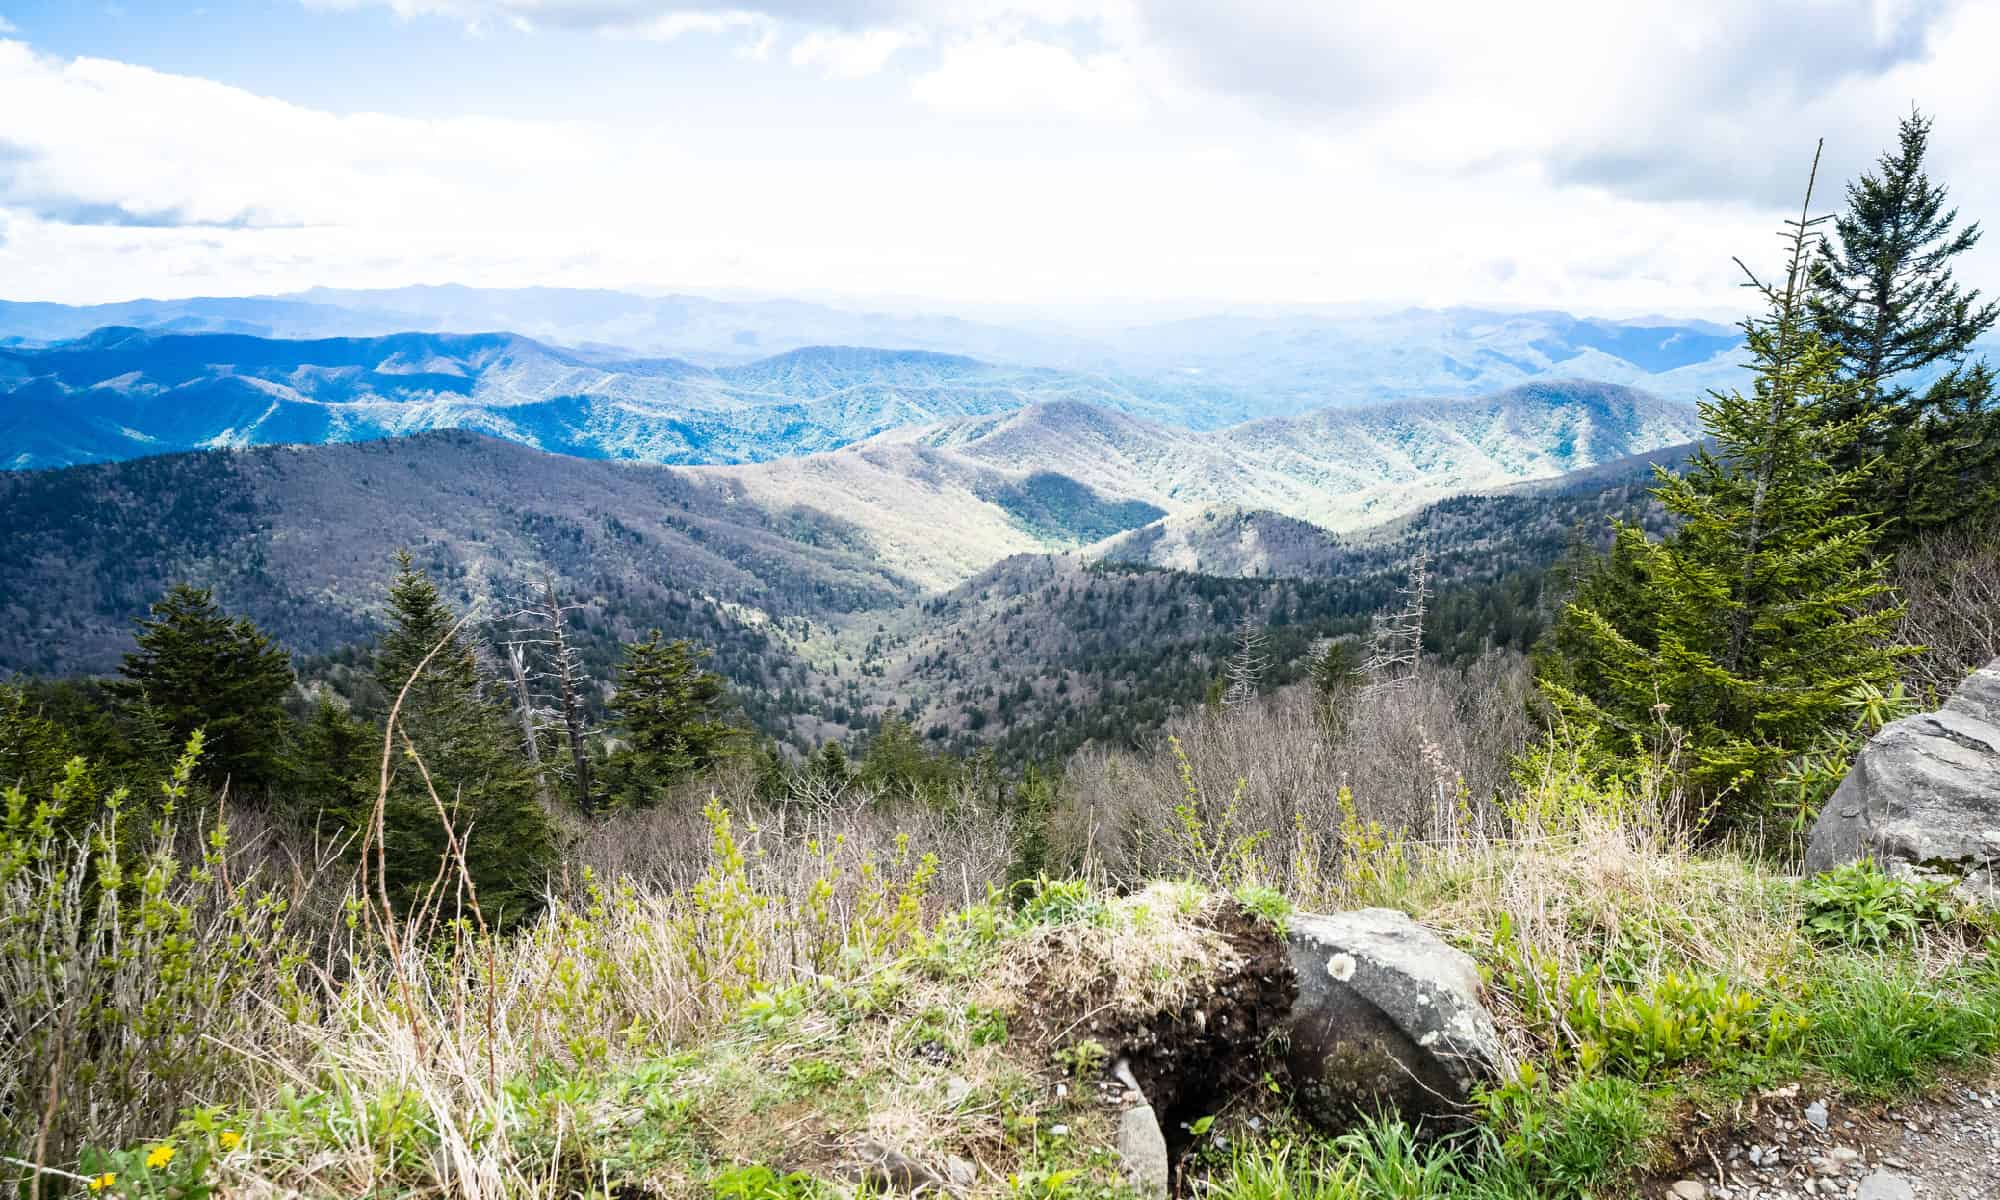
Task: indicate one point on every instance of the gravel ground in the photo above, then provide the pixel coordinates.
(1788, 1145)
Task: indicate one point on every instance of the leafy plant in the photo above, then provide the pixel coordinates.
(1858, 904)
(1575, 1139)
(1085, 1059)
(1679, 1018)
(759, 1182)
(1267, 904)
(1061, 903)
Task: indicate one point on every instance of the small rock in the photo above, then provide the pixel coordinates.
(961, 1172)
(956, 1092)
(1883, 1185)
(1816, 1115)
(885, 1168)
(1688, 1189)
(1143, 1150)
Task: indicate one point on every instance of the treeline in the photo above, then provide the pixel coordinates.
(490, 745)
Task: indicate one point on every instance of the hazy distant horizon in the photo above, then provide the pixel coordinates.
(1073, 315)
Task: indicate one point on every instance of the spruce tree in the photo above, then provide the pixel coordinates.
(465, 742)
(1755, 625)
(340, 760)
(1034, 804)
(1614, 585)
(670, 713)
(1884, 298)
(196, 667)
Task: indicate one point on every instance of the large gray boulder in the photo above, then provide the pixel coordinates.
(1388, 1018)
(1923, 797)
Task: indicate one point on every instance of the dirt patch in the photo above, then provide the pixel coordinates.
(1191, 1058)
(1796, 1142)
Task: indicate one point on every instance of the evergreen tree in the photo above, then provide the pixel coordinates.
(896, 761)
(465, 742)
(1750, 628)
(670, 713)
(1034, 814)
(1885, 299)
(340, 760)
(1336, 670)
(830, 766)
(198, 668)
(1615, 586)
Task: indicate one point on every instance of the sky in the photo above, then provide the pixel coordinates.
(1054, 156)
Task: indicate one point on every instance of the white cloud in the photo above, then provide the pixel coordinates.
(668, 26)
(643, 17)
(852, 55)
(1000, 75)
(1598, 157)
(7, 26)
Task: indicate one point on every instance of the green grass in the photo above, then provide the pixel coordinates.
(1883, 1028)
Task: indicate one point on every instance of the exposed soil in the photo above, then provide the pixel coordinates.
(1190, 1061)
(1947, 1147)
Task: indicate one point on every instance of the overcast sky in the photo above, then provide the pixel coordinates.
(1599, 157)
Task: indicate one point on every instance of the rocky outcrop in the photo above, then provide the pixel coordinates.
(1923, 796)
(1388, 1017)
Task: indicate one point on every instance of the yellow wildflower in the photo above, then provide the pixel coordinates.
(103, 1182)
(230, 1139)
(159, 1156)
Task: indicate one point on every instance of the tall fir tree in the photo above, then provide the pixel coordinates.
(1884, 298)
(466, 743)
(670, 711)
(1746, 635)
(196, 667)
(340, 759)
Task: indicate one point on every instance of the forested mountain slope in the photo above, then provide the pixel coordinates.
(87, 549)
(809, 612)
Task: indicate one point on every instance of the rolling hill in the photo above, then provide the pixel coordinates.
(1340, 469)
(122, 393)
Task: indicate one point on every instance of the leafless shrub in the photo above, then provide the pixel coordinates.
(666, 847)
(1950, 584)
(1429, 756)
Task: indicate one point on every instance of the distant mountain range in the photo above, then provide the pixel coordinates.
(123, 392)
(1265, 365)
